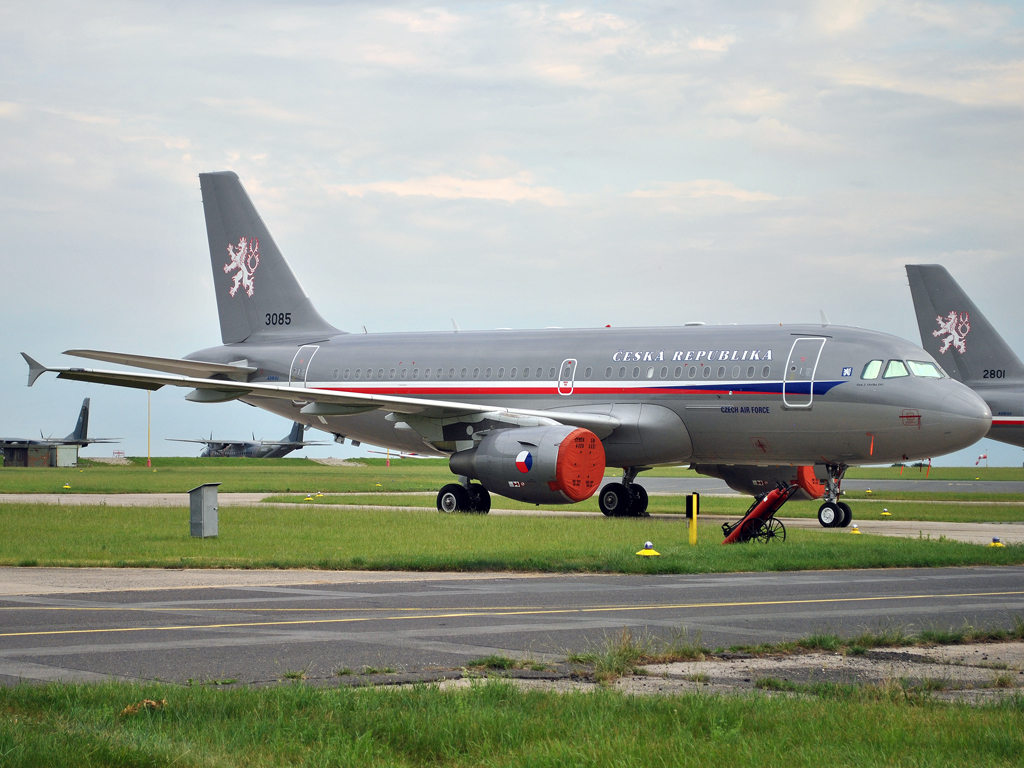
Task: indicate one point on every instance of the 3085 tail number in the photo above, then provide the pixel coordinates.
(279, 318)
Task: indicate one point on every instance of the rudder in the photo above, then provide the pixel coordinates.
(956, 333)
(81, 431)
(257, 293)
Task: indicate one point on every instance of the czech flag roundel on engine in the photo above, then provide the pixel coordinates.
(524, 461)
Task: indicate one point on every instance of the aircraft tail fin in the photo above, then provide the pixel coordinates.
(295, 436)
(81, 431)
(956, 333)
(258, 296)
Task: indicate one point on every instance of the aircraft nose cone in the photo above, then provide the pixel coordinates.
(966, 416)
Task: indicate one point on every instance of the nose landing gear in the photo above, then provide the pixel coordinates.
(834, 513)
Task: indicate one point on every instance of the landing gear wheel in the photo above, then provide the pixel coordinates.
(615, 500)
(773, 530)
(828, 514)
(480, 499)
(638, 506)
(847, 513)
(453, 498)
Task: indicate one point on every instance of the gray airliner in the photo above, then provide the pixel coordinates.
(969, 348)
(538, 415)
(252, 449)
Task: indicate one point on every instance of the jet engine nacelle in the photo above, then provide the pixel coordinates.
(539, 465)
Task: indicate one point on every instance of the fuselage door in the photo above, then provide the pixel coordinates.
(567, 377)
(798, 382)
(300, 365)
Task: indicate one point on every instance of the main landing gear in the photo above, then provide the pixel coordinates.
(625, 499)
(471, 498)
(834, 513)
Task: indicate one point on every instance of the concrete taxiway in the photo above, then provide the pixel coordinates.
(257, 626)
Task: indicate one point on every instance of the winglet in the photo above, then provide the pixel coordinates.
(35, 369)
(824, 319)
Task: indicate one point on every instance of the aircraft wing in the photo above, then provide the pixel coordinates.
(238, 371)
(325, 402)
(206, 442)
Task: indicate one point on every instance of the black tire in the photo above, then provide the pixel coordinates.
(847, 514)
(828, 514)
(615, 500)
(453, 498)
(480, 499)
(638, 505)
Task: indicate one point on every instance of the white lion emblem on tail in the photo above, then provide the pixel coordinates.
(955, 327)
(245, 259)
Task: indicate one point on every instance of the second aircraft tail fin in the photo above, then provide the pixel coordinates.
(295, 436)
(956, 333)
(257, 293)
(81, 431)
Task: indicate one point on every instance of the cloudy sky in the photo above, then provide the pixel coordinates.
(515, 165)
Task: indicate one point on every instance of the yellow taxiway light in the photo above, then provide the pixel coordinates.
(648, 550)
(995, 542)
(855, 529)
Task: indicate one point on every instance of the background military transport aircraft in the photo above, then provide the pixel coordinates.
(79, 435)
(962, 339)
(252, 449)
(537, 415)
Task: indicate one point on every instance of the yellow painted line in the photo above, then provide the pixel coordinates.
(508, 612)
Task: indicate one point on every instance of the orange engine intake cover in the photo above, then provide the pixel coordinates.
(580, 467)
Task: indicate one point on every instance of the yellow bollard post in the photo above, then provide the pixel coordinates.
(692, 509)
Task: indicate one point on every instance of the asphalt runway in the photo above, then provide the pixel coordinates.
(254, 627)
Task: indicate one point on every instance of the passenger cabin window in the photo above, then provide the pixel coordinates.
(588, 372)
(476, 373)
(512, 373)
(721, 371)
(650, 373)
(750, 372)
(707, 372)
(405, 372)
(871, 370)
(735, 371)
(358, 373)
(487, 373)
(765, 372)
(693, 371)
(391, 374)
(679, 372)
(622, 373)
(636, 372)
(416, 373)
(607, 373)
(380, 373)
(501, 373)
(426, 373)
(551, 373)
(664, 372)
(463, 373)
(895, 369)
(924, 370)
(526, 373)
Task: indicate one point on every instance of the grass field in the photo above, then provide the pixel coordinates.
(495, 724)
(336, 538)
(177, 475)
(961, 512)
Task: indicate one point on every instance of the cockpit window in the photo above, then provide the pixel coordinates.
(924, 370)
(871, 370)
(895, 369)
